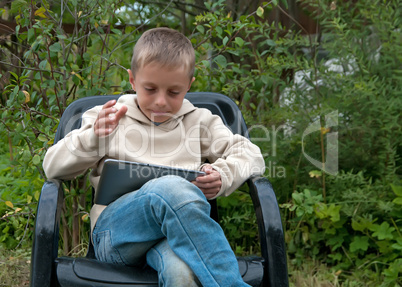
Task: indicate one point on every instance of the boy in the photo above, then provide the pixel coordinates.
(166, 222)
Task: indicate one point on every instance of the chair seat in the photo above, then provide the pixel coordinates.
(91, 272)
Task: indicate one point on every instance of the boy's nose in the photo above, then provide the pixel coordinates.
(161, 100)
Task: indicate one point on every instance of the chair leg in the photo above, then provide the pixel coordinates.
(271, 232)
(46, 235)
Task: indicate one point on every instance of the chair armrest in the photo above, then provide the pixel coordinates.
(46, 235)
(270, 231)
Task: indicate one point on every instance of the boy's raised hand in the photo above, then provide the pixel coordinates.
(108, 119)
(211, 183)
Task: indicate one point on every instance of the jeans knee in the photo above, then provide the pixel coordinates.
(179, 274)
(172, 270)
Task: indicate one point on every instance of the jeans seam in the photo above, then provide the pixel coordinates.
(163, 266)
(111, 243)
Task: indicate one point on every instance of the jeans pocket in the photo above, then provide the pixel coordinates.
(104, 250)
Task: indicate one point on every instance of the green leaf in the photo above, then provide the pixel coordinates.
(17, 5)
(359, 243)
(201, 29)
(239, 41)
(225, 40)
(285, 2)
(43, 65)
(31, 34)
(14, 75)
(383, 231)
(398, 200)
(37, 195)
(270, 43)
(117, 32)
(362, 224)
(358, 226)
(260, 12)
(398, 245)
(76, 80)
(42, 138)
(219, 30)
(205, 63)
(335, 241)
(221, 61)
(56, 47)
(298, 198)
(333, 212)
(397, 190)
(36, 160)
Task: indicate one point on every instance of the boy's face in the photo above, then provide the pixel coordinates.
(160, 90)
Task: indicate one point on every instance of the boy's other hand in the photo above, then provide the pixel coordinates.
(211, 183)
(108, 119)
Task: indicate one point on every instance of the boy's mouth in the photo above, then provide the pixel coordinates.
(159, 113)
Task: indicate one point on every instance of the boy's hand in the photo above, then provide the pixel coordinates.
(108, 119)
(211, 183)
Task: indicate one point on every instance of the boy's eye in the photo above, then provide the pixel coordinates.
(174, 92)
(149, 89)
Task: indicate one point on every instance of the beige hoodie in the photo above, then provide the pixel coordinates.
(187, 140)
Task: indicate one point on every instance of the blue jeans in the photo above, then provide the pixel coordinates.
(166, 221)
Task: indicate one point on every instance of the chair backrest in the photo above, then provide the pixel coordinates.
(218, 104)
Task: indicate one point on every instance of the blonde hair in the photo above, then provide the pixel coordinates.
(165, 46)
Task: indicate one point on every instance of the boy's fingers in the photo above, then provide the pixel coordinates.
(105, 113)
(209, 177)
(207, 168)
(106, 107)
(209, 192)
(109, 118)
(120, 113)
(209, 185)
(109, 104)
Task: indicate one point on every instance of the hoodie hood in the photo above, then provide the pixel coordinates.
(134, 112)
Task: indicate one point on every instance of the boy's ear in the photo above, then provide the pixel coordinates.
(131, 78)
(192, 80)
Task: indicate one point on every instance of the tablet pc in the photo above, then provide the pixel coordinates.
(119, 177)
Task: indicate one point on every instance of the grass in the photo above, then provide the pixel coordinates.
(14, 267)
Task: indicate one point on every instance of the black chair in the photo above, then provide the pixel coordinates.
(47, 269)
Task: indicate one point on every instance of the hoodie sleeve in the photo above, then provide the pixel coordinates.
(78, 151)
(235, 157)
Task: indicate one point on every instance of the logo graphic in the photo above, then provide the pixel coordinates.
(330, 165)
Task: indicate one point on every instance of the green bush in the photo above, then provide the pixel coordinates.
(357, 229)
(57, 66)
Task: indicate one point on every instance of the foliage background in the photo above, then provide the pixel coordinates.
(284, 72)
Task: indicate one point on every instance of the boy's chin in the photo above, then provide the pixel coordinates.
(160, 119)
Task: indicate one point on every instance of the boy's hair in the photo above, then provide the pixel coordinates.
(165, 46)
